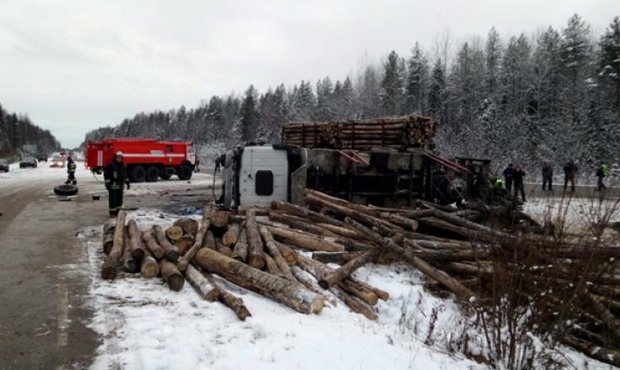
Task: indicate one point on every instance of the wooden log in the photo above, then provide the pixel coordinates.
(149, 267)
(305, 213)
(231, 236)
(305, 241)
(306, 280)
(451, 283)
(358, 291)
(171, 275)
(191, 252)
(287, 252)
(108, 235)
(339, 258)
(605, 355)
(220, 247)
(315, 268)
(156, 250)
(135, 241)
(341, 231)
(255, 257)
(273, 250)
(185, 242)
(171, 253)
(240, 252)
(189, 225)
(382, 294)
(397, 219)
(347, 269)
(299, 223)
(272, 267)
(128, 263)
(174, 233)
(219, 222)
(273, 287)
(200, 283)
(111, 262)
(596, 307)
(207, 287)
(209, 240)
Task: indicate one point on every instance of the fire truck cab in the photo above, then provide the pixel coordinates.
(146, 159)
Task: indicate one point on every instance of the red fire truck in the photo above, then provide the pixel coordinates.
(146, 159)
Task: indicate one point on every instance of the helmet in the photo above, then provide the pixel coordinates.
(119, 154)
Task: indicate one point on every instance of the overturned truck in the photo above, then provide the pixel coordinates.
(384, 162)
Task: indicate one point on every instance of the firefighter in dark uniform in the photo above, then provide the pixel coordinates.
(71, 171)
(115, 179)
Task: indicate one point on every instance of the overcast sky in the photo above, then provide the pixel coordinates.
(76, 65)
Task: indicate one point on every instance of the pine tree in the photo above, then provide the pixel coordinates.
(324, 91)
(609, 74)
(417, 82)
(493, 50)
(392, 93)
(437, 92)
(249, 115)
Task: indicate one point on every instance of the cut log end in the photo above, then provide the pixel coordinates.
(257, 261)
(108, 272)
(176, 282)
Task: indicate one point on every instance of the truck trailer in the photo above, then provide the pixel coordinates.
(146, 159)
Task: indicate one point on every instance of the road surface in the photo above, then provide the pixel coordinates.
(44, 289)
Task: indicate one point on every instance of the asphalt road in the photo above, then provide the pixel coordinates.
(44, 269)
(43, 314)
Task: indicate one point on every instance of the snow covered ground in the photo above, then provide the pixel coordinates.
(144, 325)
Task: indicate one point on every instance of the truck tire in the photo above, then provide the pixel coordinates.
(65, 190)
(184, 172)
(152, 174)
(137, 174)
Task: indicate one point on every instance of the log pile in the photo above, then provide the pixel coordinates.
(303, 257)
(412, 131)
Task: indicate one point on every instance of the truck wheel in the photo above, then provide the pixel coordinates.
(137, 174)
(152, 173)
(65, 190)
(184, 173)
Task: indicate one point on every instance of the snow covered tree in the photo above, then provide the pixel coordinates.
(368, 94)
(437, 92)
(417, 82)
(392, 92)
(609, 74)
(249, 119)
(493, 51)
(324, 92)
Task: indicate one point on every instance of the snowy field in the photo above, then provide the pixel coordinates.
(144, 325)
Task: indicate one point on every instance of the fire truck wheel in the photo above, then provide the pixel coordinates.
(152, 173)
(184, 173)
(65, 190)
(137, 174)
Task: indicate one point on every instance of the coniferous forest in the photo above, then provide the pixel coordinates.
(17, 131)
(552, 96)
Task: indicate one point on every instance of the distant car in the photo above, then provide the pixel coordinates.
(57, 161)
(42, 157)
(4, 165)
(28, 162)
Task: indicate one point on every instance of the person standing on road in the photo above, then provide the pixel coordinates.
(570, 171)
(601, 172)
(115, 176)
(71, 171)
(547, 175)
(508, 177)
(518, 176)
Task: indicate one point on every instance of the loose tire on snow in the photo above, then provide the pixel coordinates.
(65, 190)
(152, 174)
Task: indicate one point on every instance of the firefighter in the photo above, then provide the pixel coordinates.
(601, 172)
(547, 176)
(570, 172)
(71, 171)
(509, 173)
(115, 179)
(518, 175)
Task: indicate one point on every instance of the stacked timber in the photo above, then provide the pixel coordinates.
(400, 133)
(305, 257)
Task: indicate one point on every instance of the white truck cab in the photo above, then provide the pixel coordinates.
(263, 176)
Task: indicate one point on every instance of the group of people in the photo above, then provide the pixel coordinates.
(513, 178)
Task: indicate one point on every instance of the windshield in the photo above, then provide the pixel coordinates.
(4, 161)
